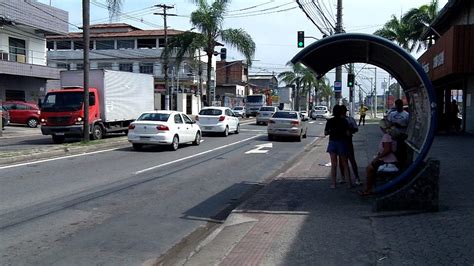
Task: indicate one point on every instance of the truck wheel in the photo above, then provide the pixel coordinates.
(58, 139)
(197, 139)
(97, 132)
(137, 146)
(175, 144)
(32, 122)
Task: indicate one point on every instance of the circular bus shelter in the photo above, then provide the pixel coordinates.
(339, 49)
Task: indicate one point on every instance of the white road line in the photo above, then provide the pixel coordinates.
(56, 159)
(311, 122)
(195, 155)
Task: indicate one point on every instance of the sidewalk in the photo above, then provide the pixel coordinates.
(297, 220)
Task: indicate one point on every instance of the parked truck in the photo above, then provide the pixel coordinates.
(115, 100)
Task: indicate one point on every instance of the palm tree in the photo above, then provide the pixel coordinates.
(303, 79)
(407, 30)
(326, 92)
(208, 20)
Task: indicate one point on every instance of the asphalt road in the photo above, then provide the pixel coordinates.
(122, 207)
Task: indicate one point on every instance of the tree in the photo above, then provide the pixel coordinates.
(208, 20)
(407, 30)
(326, 92)
(303, 78)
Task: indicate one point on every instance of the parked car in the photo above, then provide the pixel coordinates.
(5, 117)
(219, 120)
(287, 124)
(163, 128)
(264, 114)
(23, 113)
(304, 114)
(239, 111)
(320, 112)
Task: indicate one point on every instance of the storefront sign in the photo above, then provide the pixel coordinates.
(438, 60)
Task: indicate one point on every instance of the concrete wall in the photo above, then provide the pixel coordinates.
(33, 87)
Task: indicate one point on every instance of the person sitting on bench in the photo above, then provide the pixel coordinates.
(385, 155)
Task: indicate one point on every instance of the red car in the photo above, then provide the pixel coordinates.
(23, 113)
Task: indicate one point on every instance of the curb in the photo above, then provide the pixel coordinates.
(63, 150)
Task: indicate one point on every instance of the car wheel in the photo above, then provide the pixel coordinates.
(226, 131)
(32, 122)
(237, 130)
(137, 146)
(247, 116)
(299, 138)
(175, 144)
(197, 139)
(58, 139)
(270, 137)
(305, 134)
(97, 132)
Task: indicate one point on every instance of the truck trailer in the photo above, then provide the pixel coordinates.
(116, 99)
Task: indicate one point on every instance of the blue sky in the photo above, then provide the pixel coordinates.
(271, 23)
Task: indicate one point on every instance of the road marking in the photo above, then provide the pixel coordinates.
(311, 122)
(195, 155)
(56, 159)
(259, 148)
(254, 130)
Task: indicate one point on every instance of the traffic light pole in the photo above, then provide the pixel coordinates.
(351, 91)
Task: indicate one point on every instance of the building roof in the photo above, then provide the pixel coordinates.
(442, 22)
(131, 32)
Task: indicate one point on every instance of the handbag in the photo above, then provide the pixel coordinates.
(388, 168)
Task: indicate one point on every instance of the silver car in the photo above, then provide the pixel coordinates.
(264, 114)
(287, 124)
(239, 111)
(320, 112)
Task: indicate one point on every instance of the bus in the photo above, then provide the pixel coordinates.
(253, 104)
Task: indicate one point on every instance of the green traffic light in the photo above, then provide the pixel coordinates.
(300, 44)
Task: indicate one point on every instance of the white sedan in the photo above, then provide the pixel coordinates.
(218, 119)
(287, 124)
(163, 128)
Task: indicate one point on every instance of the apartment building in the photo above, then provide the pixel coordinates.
(123, 47)
(23, 63)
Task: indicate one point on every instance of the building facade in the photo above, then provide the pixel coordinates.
(449, 62)
(231, 83)
(122, 47)
(23, 58)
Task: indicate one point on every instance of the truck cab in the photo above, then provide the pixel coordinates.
(62, 113)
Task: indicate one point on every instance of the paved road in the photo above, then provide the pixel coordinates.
(125, 207)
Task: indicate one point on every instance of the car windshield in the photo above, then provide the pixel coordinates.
(255, 99)
(267, 109)
(238, 108)
(63, 101)
(154, 117)
(210, 112)
(291, 115)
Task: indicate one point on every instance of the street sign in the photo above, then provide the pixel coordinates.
(337, 86)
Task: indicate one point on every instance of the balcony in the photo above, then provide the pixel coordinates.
(21, 62)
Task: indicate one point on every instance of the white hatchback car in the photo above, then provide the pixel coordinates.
(320, 112)
(218, 120)
(287, 124)
(163, 128)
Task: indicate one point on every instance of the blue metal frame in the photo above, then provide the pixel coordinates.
(410, 172)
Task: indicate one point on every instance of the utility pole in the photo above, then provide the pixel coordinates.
(165, 65)
(375, 92)
(338, 95)
(351, 92)
(86, 37)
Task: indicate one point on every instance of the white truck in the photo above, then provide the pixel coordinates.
(116, 99)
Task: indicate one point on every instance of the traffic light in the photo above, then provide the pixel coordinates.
(350, 80)
(223, 53)
(300, 39)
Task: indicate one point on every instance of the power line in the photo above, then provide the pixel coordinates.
(98, 4)
(252, 7)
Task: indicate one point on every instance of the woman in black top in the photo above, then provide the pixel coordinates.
(339, 132)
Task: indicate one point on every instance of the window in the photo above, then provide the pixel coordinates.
(271, 109)
(125, 44)
(79, 45)
(14, 95)
(104, 45)
(63, 45)
(146, 68)
(154, 117)
(187, 120)
(126, 67)
(62, 66)
(292, 115)
(146, 43)
(178, 119)
(80, 66)
(50, 45)
(17, 50)
(210, 112)
(161, 42)
(228, 113)
(104, 66)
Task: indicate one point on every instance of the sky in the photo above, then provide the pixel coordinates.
(273, 24)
